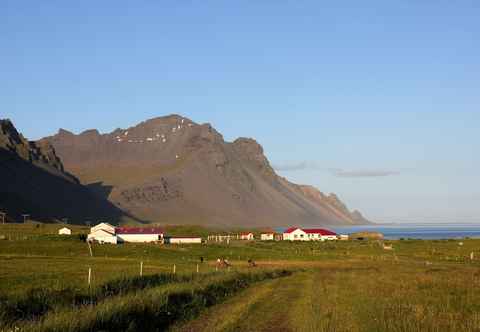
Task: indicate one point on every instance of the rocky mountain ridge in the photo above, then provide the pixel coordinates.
(34, 182)
(173, 170)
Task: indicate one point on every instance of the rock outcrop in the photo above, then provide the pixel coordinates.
(34, 182)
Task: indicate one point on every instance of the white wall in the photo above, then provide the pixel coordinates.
(139, 237)
(184, 240)
(102, 237)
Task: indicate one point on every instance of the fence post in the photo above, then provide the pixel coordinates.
(197, 269)
(89, 276)
(141, 268)
(174, 269)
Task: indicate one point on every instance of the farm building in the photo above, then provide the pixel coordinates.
(318, 234)
(102, 236)
(269, 236)
(183, 240)
(247, 236)
(65, 231)
(103, 226)
(139, 234)
(309, 234)
(343, 237)
(295, 234)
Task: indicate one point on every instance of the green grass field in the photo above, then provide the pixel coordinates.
(331, 286)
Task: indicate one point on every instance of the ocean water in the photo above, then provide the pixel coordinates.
(417, 231)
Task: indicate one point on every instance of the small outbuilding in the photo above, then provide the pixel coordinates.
(65, 231)
(247, 236)
(269, 236)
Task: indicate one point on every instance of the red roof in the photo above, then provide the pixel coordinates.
(139, 230)
(320, 231)
(291, 229)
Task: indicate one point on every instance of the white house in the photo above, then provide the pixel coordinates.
(65, 231)
(319, 234)
(103, 226)
(139, 234)
(267, 236)
(295, 234)
(308, 234)
(102, 236)
(183, 240)
(247, 236)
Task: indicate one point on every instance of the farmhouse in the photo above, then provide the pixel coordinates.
(139, 234)
(65, 231)
(295, 234)
(183, 240)
(308, 234)
(247, 236)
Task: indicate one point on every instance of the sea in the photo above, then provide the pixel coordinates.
(417, 231)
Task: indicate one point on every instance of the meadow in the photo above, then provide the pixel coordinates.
(322, 286)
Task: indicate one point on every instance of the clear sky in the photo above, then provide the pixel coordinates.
(377, 101)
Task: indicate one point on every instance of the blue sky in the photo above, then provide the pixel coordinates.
(377, 101)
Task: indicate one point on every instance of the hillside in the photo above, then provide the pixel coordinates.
(172, 170)
(33, 181)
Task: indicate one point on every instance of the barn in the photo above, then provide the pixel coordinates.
(139, 234)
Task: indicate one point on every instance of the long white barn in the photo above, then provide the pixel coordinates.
(106, 233)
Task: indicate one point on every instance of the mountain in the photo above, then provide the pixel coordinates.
(33, 181)
(173, 170)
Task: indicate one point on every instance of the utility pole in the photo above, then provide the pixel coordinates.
(25, 216)
(65, 220)
(3, 214)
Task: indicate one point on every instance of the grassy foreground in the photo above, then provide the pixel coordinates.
(354, 286)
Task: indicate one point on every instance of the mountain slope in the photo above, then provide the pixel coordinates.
(173, 170)
(33, 181)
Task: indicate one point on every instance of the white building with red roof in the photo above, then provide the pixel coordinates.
(320, 234)
(308, 234)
